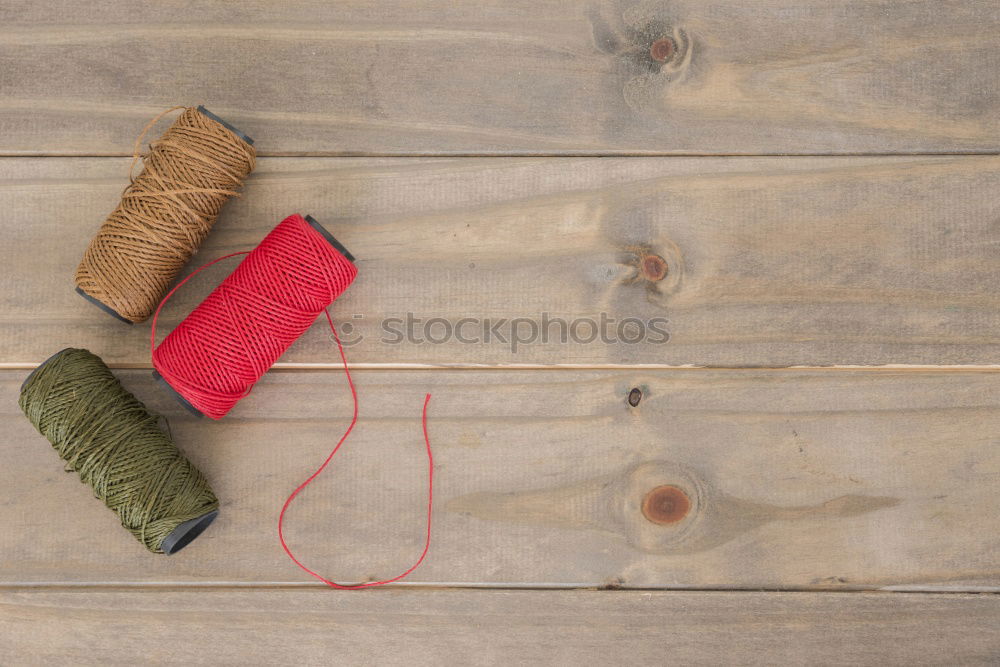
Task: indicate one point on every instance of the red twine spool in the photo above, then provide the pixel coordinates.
(216, 355)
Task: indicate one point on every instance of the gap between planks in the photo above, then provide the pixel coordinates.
(521, 155)
(485, 585)
(332, 366)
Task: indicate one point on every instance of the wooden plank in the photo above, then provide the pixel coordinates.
(770, 261)
(493, 627)
(523, 76)
(796, 479)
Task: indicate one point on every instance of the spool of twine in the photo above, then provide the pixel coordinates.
(165, 213)
(113, 442)
(215, 355)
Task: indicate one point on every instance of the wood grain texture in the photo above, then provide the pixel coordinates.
(830, 482)
(813, 480)
(770, 261)
(468, 627)
(524, 76)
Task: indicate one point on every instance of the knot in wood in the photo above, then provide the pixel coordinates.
(665, 505)
(662, 49)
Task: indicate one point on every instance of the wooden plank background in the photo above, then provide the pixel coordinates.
(820, 179)
(770, 261)
(496, 627)
(509, 76)
(798, 479)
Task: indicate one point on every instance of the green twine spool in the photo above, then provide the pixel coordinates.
(107, 435)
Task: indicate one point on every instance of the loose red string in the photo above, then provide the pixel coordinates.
(197, 345)
(156, 315)
(303, 485)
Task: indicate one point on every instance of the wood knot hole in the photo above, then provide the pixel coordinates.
(665, 505)
(634, 397)
(662, 49)
(654, 268)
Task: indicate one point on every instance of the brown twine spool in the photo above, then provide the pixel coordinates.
(165, 213)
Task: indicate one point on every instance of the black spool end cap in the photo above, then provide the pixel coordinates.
(180, 399)
(329, 237)
(184, 534)
(239, 133)
(103, 306)
(39, 366)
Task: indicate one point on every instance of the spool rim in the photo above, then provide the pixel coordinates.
(39, 366)
(177, 395)
(232, 128)
(105, 307)
(187, 532)
(329, 238)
